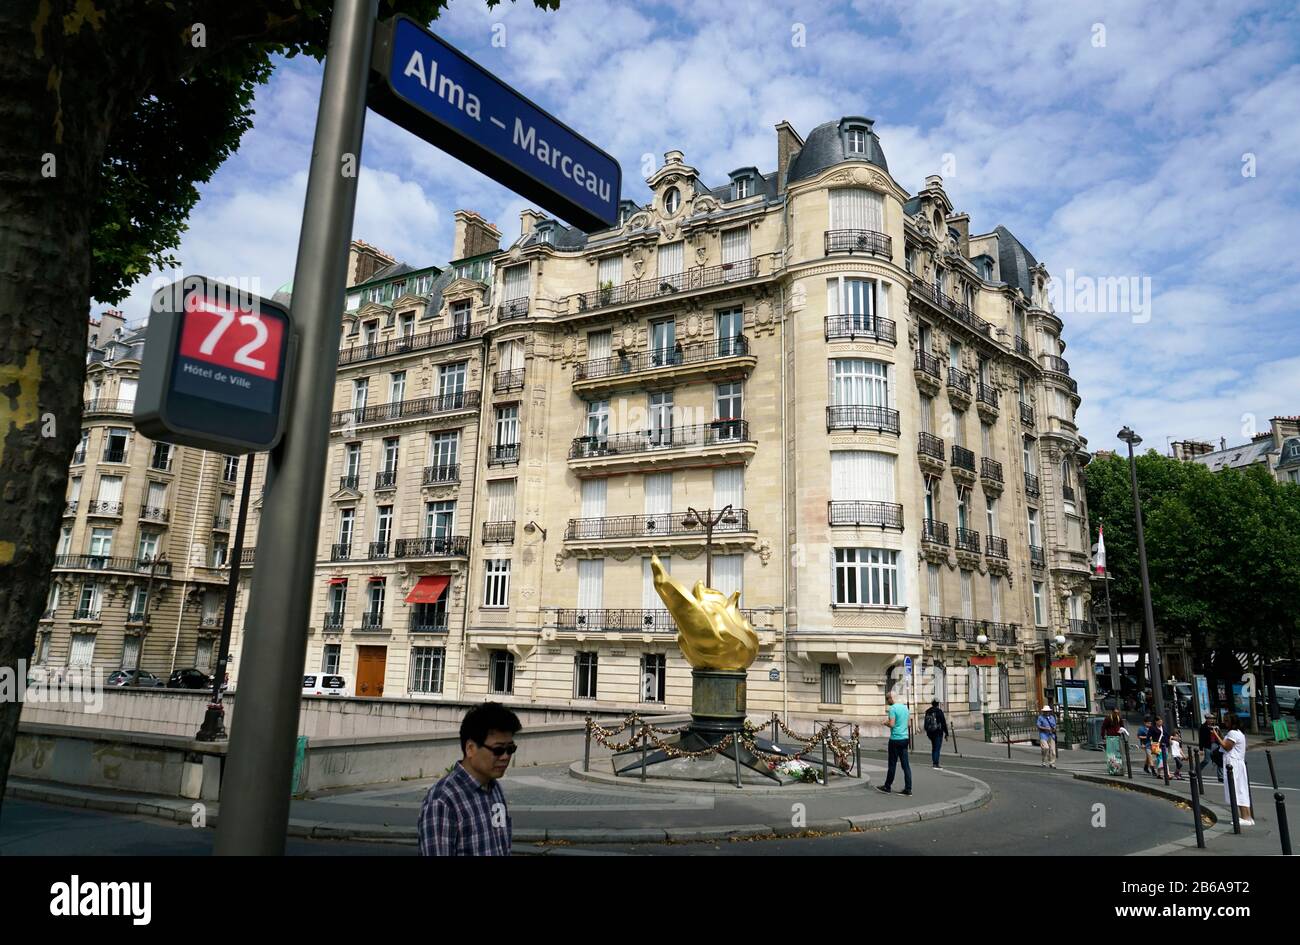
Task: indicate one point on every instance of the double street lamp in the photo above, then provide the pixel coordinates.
(694, 519)
(1153, 653)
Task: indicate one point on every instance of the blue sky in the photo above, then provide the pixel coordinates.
(1110, 137)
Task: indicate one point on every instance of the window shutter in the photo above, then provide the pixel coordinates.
(854, 208)
(878, 476)
(157, 495)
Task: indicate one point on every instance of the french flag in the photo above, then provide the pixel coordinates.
(1099, 562)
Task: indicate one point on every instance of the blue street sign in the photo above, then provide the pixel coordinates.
(436, 92)
(907, 665)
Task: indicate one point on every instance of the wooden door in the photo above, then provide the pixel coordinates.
(370, 671)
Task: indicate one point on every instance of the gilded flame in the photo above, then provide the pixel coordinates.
(711, 630)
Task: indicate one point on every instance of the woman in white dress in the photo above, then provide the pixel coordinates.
(1234, 754)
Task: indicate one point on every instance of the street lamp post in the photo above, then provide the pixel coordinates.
(1153, 653)
(693, 519)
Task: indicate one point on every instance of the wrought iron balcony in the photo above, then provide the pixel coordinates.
(1081, 628)
(498, 533)
(70, 508)
(135, 616)
(85, 613)
(333, 620)
(968, 540)
(866, 242)
(221, 523)
(508, 380)
(930, 445)
(656, 287)
(152, 513)
(1022, 347)
(371, 623)
(106, 563)
(938, 629)
(862, 417)
(209, 621)
(503, 454)
(991, 469)
(928, 364)
(433, 475)
(987, 395)
(247, 556)
(406, 409)
(958, 310)
(442, 546)
(860, 327)
(99, 507)
(350, 483)
(386, 479)
(1036, 556)
(161, 465)
(656, 358)
(1003, 634)
(963, 458)
(114, 454)
(703, 434)
(959, 380)
(1026, 414)
(1052, 362)
(996, 547)
(1067, 492)
(78, 457)
(512, 309)
(1031, 486)
(379, 550)
(859, 512)
(103, 405)
(341, 551)
(652, 526)
(934, 531)
(648, 621)
(408, 343)
(438, 625)
(968, 630)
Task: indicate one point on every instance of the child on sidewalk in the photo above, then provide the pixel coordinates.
(1176, 753)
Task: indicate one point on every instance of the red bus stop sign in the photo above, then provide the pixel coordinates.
(216, 361)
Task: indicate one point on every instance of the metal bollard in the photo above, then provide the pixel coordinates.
(1232, 798)
(735, 751)
(1164, 765)
(1284, 832)
(1128, 759)
(825, 779)
(1196, 813)
(645, 736)
(775, 740)
(857, 749)
(586, 749)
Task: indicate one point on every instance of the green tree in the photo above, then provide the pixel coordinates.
(113, 111)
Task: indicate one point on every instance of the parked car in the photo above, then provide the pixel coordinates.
(1288, 699)
(133, 677)
(324, 684)
(191, 678)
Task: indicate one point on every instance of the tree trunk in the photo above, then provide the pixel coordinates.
(50, 155)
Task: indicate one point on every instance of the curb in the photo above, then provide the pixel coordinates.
(1153, 790)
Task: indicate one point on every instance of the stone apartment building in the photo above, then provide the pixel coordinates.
(1277, 449)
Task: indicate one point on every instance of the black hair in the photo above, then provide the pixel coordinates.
(488, 717)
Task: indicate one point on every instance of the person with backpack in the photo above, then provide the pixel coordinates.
(936, 726)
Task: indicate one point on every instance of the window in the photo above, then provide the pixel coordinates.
(383, 525)
(663, 341)
(995, 592)
(1034, 538)
(954, 355)
(515, 280)
(225, 502)
(451, 381)
(546, 233)
(594, 492)
(967, 595)
(855, 208)
(599, 345)
(439, 519)
(360, 393)
(598, 419)
(88, 602)
(155, 498)
(1004, 688)
(910, 261)
(584, 675)
(130, 652)
(510, 355)
(65, 540)
(591, 583)
(501, 500)
(672, 200)
(963, 507)
(858, 382)
(855, 141)
(460, 311)
(101, 542)
(959, 427)
(79, 456)
(991, 515)
(856, 301)
(507, 425)
(940, 682)
(670, 262)
(609, 272)
(986, 439)
(502, 672)
(161, 457)
(1040, 615)
(974, 688)
(496, 583)
(729, 487)
(426, 668)
(52, 601)
(338, 603)
(406, 323)
(330, 658)
(859, 475)
(927, 414)
(866, 576)
(370, 331)
(110, 493)
(653, 677)
(116, 444)
(728, 329)
(729, 402)
(661, 419)
(43, 648)
(220, 550)
(935, 589)
(74, 491)
(397, 387)
(1029, 455)
(729, 573)
(444, 452)
(148, 547)
(391, 445)
(83, 649)
(741, 188)
(230, 471)
(430, 617)
(931, 501)
(735, 253)
(352, 460)
(830, 684)
(203, 654)
(375, 599)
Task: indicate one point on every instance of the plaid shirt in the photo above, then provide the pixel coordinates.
(460, 817)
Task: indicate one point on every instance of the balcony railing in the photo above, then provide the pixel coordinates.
(351, 483)
(958, 310)
(928, 364)
(1003, 634)
(867, 242)
(70, 508)
(930, 445)
(855, 327)
(152, 513)
(386, 479)
(996, 547)
(372, 623)
(498, 533)
(987, 395)
(443, 546)
(959, 380)
(1036, 556)
(655, 358)
(1031, 485)
(85, 613)
(1026, 414)
(1081, 628)
(407, 343)
(78, 457)
(861, 417)
(991, 469)
(114, 455)
(333, 621)
(963, 458)
(633, 620)
(968, 630)
(934, 531)
(508, 380)
(99, 507)
(221, 523)
(437, 474)
(404, 409)
(341, 551)
(209, 621)
(135, 616)
(102, 405)
(1052, 362)
(247, 556)
(938, 629)
(1022, 347)
(379, 550)
(651, 526)
(857, 512)
(503, 454)
(654, 287)
(703, 434)
(438, 625)
(968, 540)
(1067, 492)
(106, 563)
(514, 308)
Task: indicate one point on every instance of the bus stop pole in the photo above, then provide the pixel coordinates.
(256, 786)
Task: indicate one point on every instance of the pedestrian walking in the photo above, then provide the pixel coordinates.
(896, 718)
(465, 813)
(1209, 750)
(936, 726)
(1159, 740)
(1176, 753)
(1233, 744)
(1047, 736)
(1144, 743)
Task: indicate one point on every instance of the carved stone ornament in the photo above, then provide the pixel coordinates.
(764, 549)
(559, 560)
(701, 254)
(669, 229)
(705, 203)
(693, 327)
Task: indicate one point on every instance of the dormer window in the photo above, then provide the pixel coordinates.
(672, 200)
(741, 188)
(546, 235)
(855, 141)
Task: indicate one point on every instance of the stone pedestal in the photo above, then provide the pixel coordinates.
(717, 700)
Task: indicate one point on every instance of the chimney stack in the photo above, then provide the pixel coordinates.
(788, 144)
(364, 261)
(474, 235)
(527, 220)
(961, 223)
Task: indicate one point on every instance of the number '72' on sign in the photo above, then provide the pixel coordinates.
(233, 338)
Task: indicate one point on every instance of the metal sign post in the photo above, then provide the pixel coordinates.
(255, 788)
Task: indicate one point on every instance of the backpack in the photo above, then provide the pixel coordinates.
(932, 724)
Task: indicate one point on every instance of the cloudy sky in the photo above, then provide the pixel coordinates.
(1158, 143)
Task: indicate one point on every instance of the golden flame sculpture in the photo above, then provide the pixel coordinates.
(711, 630)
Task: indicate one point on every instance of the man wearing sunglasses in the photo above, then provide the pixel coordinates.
(465, 813)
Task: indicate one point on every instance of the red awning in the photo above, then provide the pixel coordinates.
(338, 580)
(428, 589)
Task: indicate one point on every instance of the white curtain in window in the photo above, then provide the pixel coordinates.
(591, 583)
(593, 497)
(110, 489)
(516, 282)
(672, 258)
(995, 588)
(975, 696)
(650, 599)
(862, 475)
(934, 587)
(126, 391)
(728, 573)
(658, 493)
(501, 500)
(940, 683)
(157, 495)
(512, 355)
(598, 345)
(967, 596)
(735, 245)
(859, 382)
(729, 487)
(130, 652)
(83, 649)
(855, 208)
(610, 269)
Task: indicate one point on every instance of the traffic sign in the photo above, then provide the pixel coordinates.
(215, 363)
(428, 87)
(907, 665)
